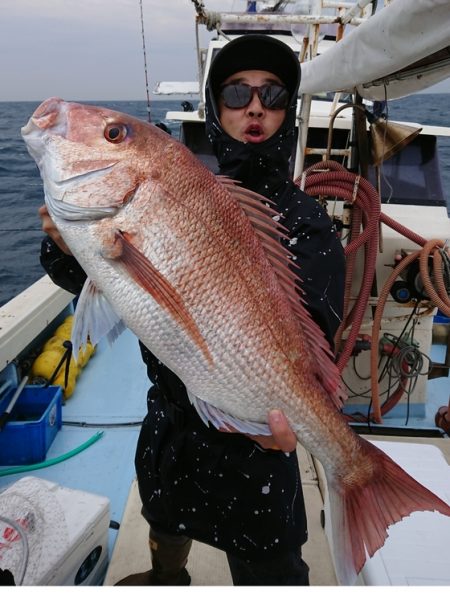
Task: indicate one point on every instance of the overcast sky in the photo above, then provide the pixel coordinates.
(92, 49)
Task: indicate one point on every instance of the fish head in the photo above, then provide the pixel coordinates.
(91, 159)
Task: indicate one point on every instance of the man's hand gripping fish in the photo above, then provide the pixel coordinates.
(193, 265)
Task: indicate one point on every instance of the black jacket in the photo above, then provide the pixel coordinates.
(265, 169)
(220, 488)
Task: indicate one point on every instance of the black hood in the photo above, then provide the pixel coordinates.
(261, 167)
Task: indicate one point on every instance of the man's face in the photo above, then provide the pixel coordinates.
(253, 123)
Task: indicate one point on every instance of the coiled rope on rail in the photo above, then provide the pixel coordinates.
(330, 179)
(211, 19)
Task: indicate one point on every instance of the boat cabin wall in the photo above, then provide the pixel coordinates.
(410, 177)
(193, 135)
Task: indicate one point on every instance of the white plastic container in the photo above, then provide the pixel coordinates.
(417, 551)
(65, 530)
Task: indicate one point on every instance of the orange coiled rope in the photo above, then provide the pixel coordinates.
(330, 179)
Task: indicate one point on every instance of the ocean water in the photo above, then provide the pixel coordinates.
(21, 187)
(21, 192)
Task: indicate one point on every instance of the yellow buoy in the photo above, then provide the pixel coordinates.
(54, 343)
(64, 331)
(69, 388)
(45, 364)
(85, 354)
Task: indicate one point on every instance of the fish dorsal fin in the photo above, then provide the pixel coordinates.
(264, 219)
(94, 318)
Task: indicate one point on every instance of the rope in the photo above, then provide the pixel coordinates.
(51, 461)
(329, 178)
(212, 20)
(336, 181)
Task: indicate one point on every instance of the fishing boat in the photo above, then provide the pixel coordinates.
(69, 504)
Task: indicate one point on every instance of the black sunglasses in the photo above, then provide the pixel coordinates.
(239, 95)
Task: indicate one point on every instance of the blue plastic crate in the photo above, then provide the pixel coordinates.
(32, 426)
(441, 318)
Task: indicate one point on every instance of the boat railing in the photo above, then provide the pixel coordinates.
(27, 315)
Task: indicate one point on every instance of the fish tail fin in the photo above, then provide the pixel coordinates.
(360, 516)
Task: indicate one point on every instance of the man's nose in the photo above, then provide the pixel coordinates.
(255, 108)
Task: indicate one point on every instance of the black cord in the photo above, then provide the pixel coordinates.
(103, 425)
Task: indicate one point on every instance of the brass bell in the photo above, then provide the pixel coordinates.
(389, 138)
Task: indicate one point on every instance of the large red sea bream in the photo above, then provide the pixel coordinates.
(192, 264)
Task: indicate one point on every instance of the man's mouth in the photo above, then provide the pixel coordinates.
(254, 133)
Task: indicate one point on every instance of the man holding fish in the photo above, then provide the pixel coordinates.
(232, 485)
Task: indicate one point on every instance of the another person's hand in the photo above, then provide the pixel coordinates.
(49, 227)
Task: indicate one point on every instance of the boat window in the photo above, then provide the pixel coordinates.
(412, 176)
(194, 137)
(318, 139)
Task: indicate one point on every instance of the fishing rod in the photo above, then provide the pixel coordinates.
(145, 61)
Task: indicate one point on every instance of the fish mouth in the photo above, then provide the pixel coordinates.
(45, 126)
(254, 133)
(45, 116)
(46, 122)
(85, 176)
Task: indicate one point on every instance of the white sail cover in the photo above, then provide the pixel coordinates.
(396, 37)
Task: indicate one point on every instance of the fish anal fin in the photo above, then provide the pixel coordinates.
(224, 421)
(360, 516)
(162, 291)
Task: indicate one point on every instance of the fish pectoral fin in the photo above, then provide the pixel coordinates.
(162, 291)
(94, 318)
(221, 420)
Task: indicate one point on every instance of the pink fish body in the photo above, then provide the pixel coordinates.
(192, 264)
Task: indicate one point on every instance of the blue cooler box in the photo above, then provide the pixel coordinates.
(32, 426)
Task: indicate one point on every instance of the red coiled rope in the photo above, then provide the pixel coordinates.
(330, 179)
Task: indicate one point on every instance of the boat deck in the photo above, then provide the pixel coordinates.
(109, 400)
(208, 566)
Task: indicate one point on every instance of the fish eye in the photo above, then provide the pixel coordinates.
(115, 132)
